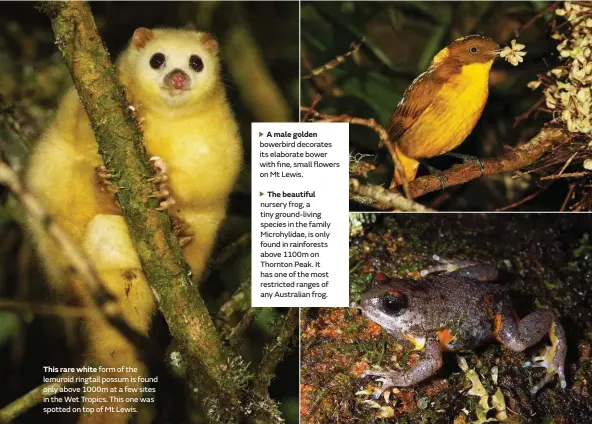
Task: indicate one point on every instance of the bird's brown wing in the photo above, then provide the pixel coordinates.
(416, 99)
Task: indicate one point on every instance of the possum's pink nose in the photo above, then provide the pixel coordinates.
(178, 79)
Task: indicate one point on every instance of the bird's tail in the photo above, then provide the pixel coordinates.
(409, 167)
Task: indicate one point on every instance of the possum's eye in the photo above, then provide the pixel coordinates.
(157, 60)
(196, 63)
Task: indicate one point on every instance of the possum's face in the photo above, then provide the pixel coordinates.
(180, 68)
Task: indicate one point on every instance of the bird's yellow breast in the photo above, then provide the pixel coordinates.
(452, 115)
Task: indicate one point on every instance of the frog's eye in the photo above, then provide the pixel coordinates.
(394, 302)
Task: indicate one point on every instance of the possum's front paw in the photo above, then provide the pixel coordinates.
(182, 230)
(103, 180)
(163, 193)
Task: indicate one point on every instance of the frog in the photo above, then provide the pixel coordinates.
(455, 306)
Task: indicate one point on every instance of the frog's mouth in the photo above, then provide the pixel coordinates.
(370, 309)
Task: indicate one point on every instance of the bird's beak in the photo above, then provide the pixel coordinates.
(496, 52)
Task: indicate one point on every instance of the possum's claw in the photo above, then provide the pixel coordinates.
(163, 194)
(103, 180)
(182, 230)
(184, 241)
(135, 108)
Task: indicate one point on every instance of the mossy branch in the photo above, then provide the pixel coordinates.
(121, 147)
(275, 351)
(14, 409)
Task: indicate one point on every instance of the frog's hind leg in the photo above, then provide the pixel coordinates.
(529, 331)
(425, 368)
(459, 268)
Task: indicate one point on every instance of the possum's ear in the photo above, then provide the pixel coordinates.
(210, 42)
(141, 37)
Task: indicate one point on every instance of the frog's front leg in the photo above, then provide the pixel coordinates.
(466, 269)
(425, 368)
(529, 331)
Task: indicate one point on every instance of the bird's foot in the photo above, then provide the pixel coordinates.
(436, 172)
(467, 158)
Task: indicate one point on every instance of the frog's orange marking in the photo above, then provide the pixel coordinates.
(381, 277)
(445, 337)
(497, 327)
(395, 292)
(488, 300)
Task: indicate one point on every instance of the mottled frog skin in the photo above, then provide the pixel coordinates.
(456, 311)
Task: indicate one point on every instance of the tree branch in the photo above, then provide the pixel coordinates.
(384, 199)
(121, 147)
(374, 126)
(275, 351)
(29, 400)
(518, 158)
(36, 308)
(245, 62)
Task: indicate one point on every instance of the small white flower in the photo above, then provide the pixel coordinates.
(513, 53)
(564, 97)
(588, 164)
(533, 85)
(561, 46)
(566, 115)
(583, 94)
(563, 85)
(550, 101)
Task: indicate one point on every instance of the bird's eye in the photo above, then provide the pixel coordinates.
(157, 60)
(473, 49)
(196, 63)
(394, 302)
